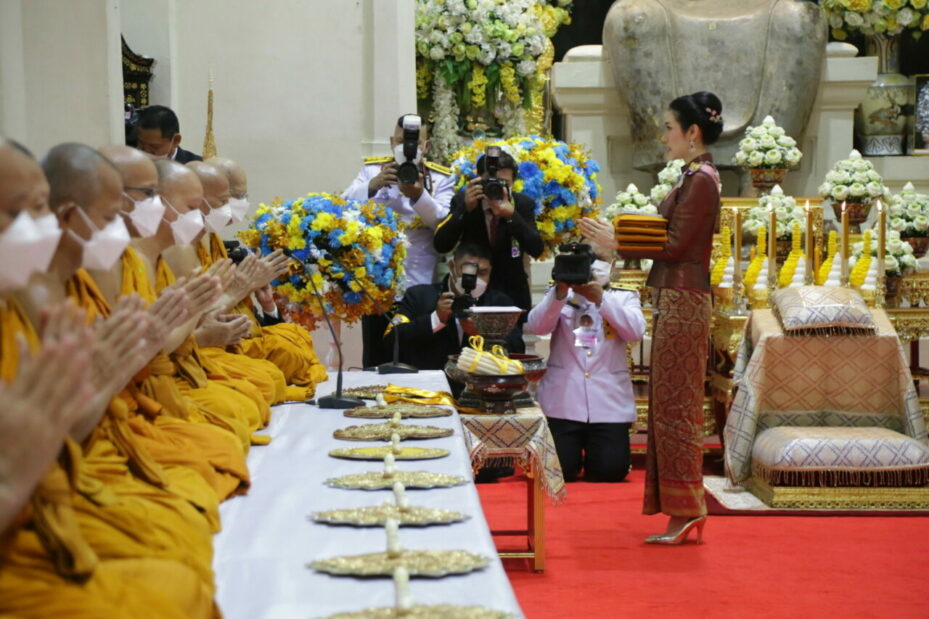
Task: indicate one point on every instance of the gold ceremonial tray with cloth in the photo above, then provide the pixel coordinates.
(429, 563)
(377, 480)
(368, 392)
(377, 516)
(640, 231)
(406, 410)
(383, 432)
(378, 453)
(434, 611)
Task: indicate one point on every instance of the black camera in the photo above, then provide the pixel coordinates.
(494, 188)
(236, 252)
(573, 263)
(408, 172)
(461, 304)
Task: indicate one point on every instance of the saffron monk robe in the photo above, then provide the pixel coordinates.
(239, 402)
(130, 533)
(188, 439)
(285, 346)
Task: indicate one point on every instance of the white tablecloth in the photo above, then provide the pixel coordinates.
(261, 554)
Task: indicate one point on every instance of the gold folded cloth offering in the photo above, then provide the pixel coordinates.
(383, 431)
(373, 516)
(639, 220)
(642, 231)
(475, 360)
(626, 239)
(433, 611)
(378, 453)
(410, 395)
(429, 563)
(377, 480)
(640, 247)
(406, 410)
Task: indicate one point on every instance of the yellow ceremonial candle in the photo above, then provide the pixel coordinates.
(772, 247)
(881, 237)
(737, 254)
(808, 251)
(843, 248)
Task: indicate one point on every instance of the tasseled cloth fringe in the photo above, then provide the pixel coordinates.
(885, 478)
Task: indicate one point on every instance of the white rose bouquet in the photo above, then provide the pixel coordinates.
(898, 255)
(785, 208)
(767, 146)
(853, 180)
(908, 212)
(667, 179)
(629, 201)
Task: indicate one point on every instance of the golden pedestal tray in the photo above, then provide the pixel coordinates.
(427, 563)
(383, 432)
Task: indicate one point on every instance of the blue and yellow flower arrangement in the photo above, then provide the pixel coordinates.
(561, 178)
(355, 246)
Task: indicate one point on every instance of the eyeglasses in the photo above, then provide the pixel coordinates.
(149, 192)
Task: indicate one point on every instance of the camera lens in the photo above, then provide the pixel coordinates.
(493, 189)
(408, 173)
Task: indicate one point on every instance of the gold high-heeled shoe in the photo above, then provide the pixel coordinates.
(674, 539)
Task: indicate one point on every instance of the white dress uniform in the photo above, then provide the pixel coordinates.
(431, 208)
(588, 384)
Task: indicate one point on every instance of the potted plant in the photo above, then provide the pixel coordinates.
(909, 215)
(767, 152)
(854, 183)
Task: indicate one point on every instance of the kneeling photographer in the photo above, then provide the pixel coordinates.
(435, 329)
(488, 212)
(586, 392)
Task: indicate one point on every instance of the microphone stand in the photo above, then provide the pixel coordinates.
(393, 367)
(336, 400)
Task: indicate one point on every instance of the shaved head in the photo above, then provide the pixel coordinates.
(235, 174)
(214, 181)
(136, 168)
(179, 186)
(77, 174)
(22, 183)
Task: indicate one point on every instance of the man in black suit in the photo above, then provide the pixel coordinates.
(158, 133)
(506, 226)
(433, 333)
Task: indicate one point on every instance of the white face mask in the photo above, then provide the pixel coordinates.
(146, 215)
(105, 245)
(600, 271)
(398, 154)
(218, 218)
(479, 288)
(187, 226)
(24, 251)
(50, 233)
(239, 207)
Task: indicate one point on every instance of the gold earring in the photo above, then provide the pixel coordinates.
(692, 146)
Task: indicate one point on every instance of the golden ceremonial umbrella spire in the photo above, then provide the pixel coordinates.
(209, 143)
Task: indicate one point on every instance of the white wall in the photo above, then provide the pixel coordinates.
(60, 72)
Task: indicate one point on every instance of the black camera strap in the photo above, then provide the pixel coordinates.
(427, 177)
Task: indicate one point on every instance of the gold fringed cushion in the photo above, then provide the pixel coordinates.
(832, 457)
(822, 310)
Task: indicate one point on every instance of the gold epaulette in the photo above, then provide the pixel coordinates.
(441, 169)
(626, 287)
(382, 159)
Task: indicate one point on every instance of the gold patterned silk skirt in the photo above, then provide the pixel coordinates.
(674, 459)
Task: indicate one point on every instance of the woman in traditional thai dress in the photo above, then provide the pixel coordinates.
(682, 302)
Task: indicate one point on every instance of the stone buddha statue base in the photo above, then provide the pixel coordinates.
(759, 56)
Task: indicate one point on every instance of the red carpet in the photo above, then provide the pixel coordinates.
(597, 565)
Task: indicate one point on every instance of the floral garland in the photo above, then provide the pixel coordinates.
(853, 180)
(786, 212)
(718, 270)
(667, 179)
(898, 254)
(767, 146)
(560, 178)
(863, 264)
(909, 212)
(354, 245)
(491, 55)
(754, 266)
(789, 268)
(888, 17)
